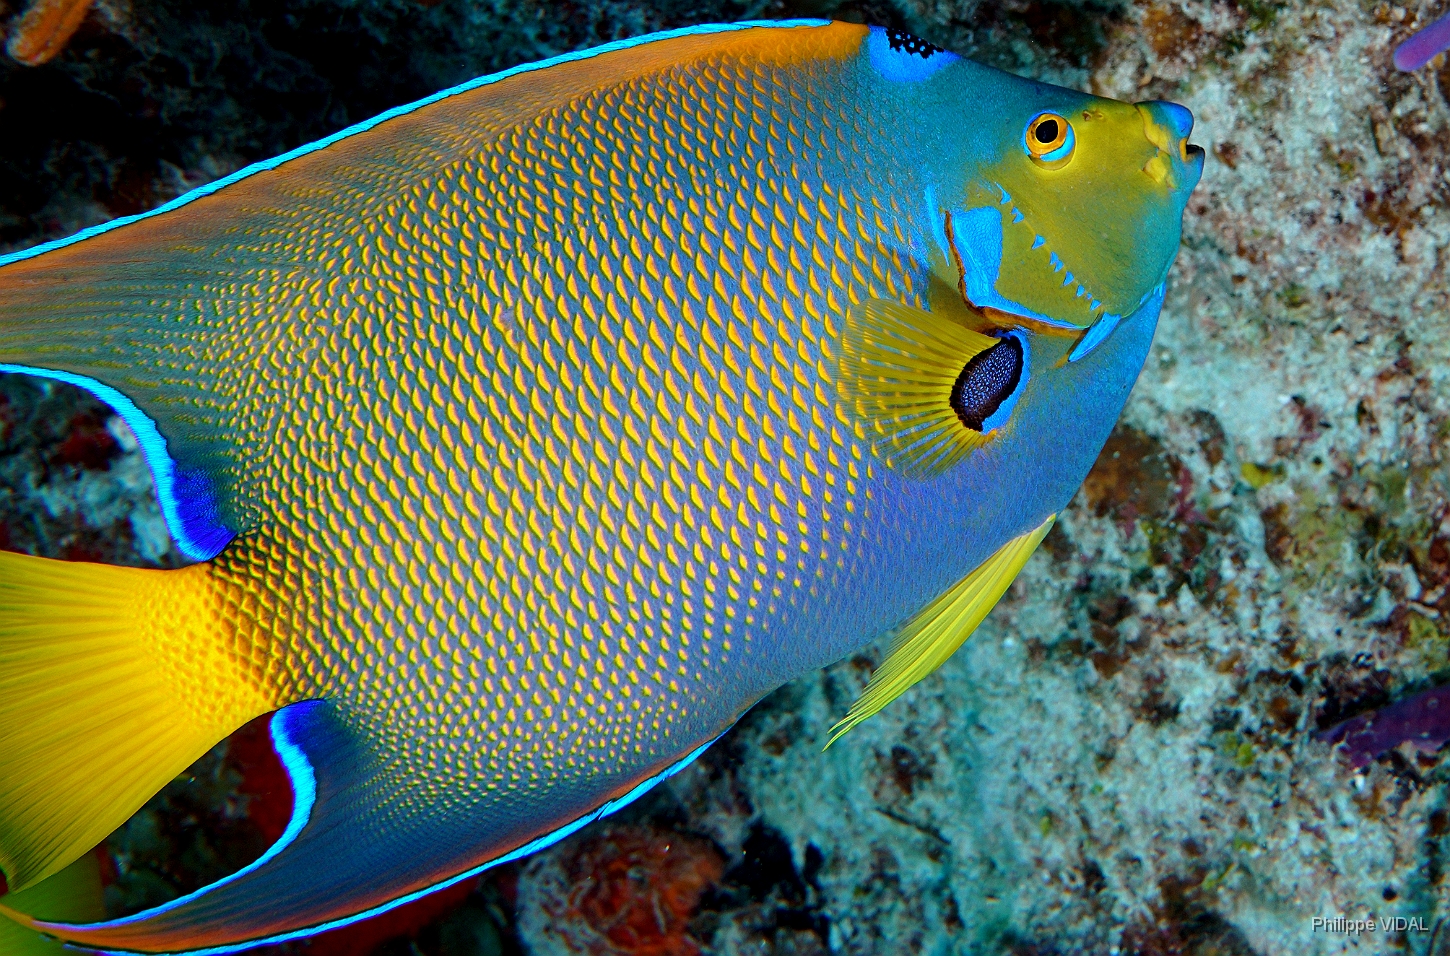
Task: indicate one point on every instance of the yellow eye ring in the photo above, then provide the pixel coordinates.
(1049, 140)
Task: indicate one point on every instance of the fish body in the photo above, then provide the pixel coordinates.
(527, 436)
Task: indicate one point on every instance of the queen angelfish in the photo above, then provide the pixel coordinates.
(525, 436)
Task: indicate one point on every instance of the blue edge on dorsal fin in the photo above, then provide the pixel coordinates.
(187, 498)
(193, 517)
(286, 725)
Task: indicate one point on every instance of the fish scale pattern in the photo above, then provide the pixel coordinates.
(612, 465)
(542, 467)
(529, 428)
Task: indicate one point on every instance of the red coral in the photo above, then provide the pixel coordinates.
(630, 891)
(45, 29)
(264, 778)
(89, 444)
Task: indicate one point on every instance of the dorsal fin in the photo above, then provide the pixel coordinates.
(926, 641)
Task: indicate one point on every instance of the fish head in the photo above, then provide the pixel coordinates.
(1067, 208)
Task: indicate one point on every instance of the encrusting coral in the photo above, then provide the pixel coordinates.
(44, 29)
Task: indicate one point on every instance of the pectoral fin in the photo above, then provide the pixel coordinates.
(900, 366)
(934, 634)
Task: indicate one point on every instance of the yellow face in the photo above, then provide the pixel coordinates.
(1079, 217)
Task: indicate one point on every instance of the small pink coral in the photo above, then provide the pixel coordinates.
(630, 891)
(1422, 720)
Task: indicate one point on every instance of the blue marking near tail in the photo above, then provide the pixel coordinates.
(283, 727)
(403, 110)
(304, 784)
(186, 497)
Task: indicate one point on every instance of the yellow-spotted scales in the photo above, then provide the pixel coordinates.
(527, 435)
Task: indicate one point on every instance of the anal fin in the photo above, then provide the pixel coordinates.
(366, 835)
(926, 641)
(72, 894)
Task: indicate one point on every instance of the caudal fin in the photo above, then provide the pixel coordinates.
(112, 681)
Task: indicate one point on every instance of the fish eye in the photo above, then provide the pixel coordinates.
(1049, 140)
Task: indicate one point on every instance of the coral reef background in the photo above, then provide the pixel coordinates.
(1131, 755)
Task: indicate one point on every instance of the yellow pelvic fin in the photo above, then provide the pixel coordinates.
(112, 681)
(936, 631)
(71, 896)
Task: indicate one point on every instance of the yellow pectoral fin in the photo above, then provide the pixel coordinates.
(934, 634)
(898, 367)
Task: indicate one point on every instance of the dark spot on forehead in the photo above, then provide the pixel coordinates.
(906, 43)
(986, 382)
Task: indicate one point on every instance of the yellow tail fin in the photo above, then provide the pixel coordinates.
(112, 681)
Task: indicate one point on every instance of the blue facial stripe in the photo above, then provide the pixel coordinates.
(977, 234)
(1004, 411)
(403, 110)
(304, 783)
(1104, 326)
(1095, 336)
(901, 66)
(186, 498)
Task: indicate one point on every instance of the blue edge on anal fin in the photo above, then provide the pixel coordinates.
(187, 500)
(286, 726)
